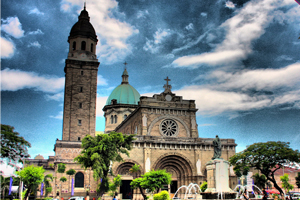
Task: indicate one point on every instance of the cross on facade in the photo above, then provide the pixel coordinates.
(167, 79)
(167, 86)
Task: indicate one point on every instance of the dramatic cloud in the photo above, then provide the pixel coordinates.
(241, 30)
(12, 26)
(36, 11)
(154, 45)
(13, 80)
(101, 80)
(7, 48)
(37, 32)
(35, 44)
(112, 33)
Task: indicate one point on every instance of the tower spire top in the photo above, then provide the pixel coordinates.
(125, 74)
(84, 6)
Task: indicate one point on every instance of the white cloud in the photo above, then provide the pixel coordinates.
(241, 30)
(56, 97)
(142, 14)
(101, 101)
(190, 26)
(13, 80)
(36, 11)
(229, 4)
(101, 80)
(259, 79)
(112, 33)
(203, 14)
(154, 45)
(34, 44)
(37, 32)
(12, 26)
(7, 48)
(59, 116)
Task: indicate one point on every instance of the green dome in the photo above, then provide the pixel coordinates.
(124, 94)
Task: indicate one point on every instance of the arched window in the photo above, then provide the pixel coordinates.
(74, 45)
(83, 44)
(79, 180)
(125, 116)
(92, 47)
(116, 118)
(112, 119)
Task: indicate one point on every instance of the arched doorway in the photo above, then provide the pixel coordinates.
(180, 169)
(79, 180)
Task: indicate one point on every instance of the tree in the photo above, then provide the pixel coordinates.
(70, 172)
(153, 181)
(285, 183)
(5, 181)
(260, 180)
(266, 157)
(98, 152)
(32, 176)
(13, 146)
(298, 180)
(117, 181)
(203, 186)
(134, 169)
(48, 188)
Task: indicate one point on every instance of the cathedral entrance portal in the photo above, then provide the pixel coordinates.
(126, 190)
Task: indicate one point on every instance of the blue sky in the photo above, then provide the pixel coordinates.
(238, 59)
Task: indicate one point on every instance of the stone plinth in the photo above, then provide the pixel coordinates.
(217, 176)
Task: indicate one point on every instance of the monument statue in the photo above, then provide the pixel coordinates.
(217, 147)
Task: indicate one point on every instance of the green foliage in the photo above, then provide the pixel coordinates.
(163, 195)
(135, 168)
(99, 151)
(63, 179)
(61, 167)
(266, 157)
(48, 190)
(153, 181)
(51, 165)
(31, 176)
(47, 179)
(285, 183)
(260, 180)
(70, 172)
(203, 186)
(298, 180)
(13, 146)
(117, 181)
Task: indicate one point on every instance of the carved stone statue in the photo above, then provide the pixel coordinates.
(217, 147)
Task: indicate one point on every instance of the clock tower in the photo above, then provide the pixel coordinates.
(80, 81)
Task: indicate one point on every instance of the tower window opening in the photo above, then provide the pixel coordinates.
(80, 105)
(83, 45)
(81, 72)
(78, 138)
(74, 45)
(92, 47)
(80, 89)
(116, 118)
(79, 122)
(112, 119)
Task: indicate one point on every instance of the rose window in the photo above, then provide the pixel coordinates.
(168, 127)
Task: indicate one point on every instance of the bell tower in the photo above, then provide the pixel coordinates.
(81, 70)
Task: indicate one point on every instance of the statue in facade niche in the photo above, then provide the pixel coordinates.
(217, 148)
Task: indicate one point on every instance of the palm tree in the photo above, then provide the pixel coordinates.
(134, 169)
(48, 188)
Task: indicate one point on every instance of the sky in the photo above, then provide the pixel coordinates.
(238, 59)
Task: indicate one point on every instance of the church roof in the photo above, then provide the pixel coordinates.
(83, 27)
(124, 93)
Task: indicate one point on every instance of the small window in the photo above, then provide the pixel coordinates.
(81, 89)
(78, 138)
(92, 47)
(81, 72)
(79, 122)
(74, 45)
(83, 44)
(112, 119)
(80, 105)
(116, 119)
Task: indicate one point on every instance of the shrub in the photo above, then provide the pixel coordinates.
(163, 195)
(203, 186)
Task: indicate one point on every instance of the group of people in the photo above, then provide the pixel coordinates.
(246, 197)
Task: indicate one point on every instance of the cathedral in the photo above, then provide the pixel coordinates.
(165, 126)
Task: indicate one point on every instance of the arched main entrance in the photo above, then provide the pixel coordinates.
(179, 167)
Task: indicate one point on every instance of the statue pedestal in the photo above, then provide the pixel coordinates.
(217, 176)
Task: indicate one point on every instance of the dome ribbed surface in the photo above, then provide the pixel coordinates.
(83, 27)
(124, 94)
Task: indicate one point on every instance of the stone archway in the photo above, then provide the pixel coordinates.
(179, 166)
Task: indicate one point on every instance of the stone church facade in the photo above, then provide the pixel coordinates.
(165, 126)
